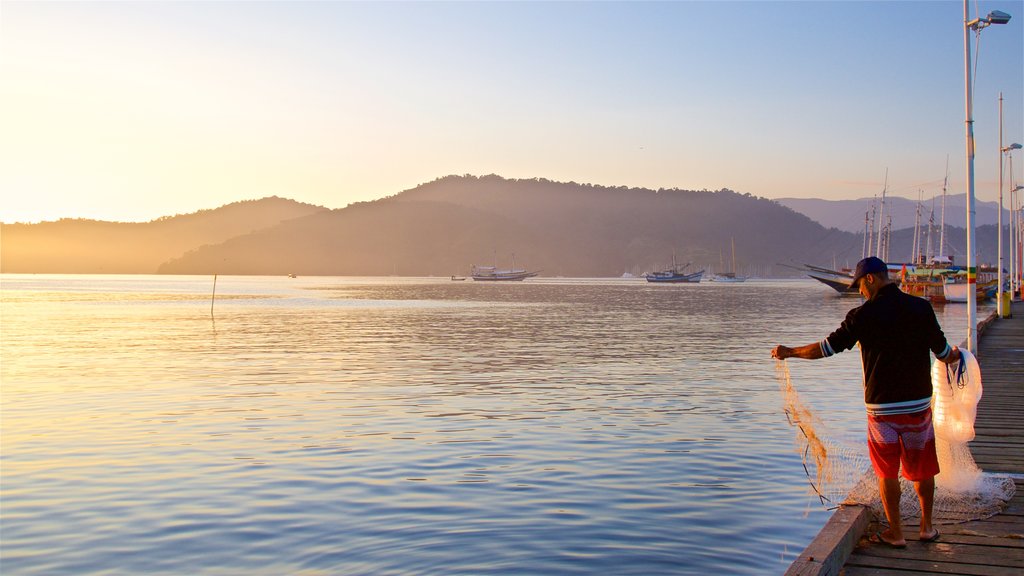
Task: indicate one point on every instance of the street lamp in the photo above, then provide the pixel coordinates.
(1015, 234)
(1003, 151)
(994, 17)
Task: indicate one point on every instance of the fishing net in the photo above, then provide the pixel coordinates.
(833, 465)
(839, 471)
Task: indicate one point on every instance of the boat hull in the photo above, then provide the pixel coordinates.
(957, 291)
(674, 278)
(841, 284)
(491, 275)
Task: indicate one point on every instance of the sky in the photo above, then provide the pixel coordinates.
(131, 111)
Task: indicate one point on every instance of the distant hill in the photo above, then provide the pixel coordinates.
(848, 215)
(443, 227)
(563, 229)
(89, 246)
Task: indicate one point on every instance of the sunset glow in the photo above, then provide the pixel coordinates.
(133, 111)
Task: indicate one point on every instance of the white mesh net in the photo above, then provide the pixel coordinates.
(839, 472)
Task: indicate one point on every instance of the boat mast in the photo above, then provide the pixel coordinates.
(881, 212)
(888, 235)
(871, 233)
(867, 242)
(942, 221)
(734, 255)
(929, 255)
(915, 251)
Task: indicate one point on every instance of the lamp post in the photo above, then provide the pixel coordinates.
(1003, 151)
(976, 25)
(1015, 235)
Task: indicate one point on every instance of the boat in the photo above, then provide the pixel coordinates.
(731, 275)
(929, 288)
(928, 280)
(675, 275)
(458, 278)
(957, 291)
(493, 274)
(839, 280)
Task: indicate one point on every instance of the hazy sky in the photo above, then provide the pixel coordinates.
(131, 111)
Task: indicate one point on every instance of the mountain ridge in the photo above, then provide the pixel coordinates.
(70, 245)
(848, 215)
(442, 227)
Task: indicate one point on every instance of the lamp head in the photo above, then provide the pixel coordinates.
(997, 17)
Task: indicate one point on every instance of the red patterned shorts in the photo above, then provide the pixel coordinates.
(906, 439)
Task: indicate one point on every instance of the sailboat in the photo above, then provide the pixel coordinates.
(731, 275)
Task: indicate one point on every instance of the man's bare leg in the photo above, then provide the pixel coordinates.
(926, 494)
(890, 490)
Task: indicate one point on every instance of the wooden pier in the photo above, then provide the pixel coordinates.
(991, 547)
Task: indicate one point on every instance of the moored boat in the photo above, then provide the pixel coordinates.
(493, 274)
(928, 280)
(958, 291)
(675, 275)
(840, 281)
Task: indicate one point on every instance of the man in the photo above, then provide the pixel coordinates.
(895, 332)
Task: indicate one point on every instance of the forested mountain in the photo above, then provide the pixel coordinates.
(563, 229)
(91, 246)
(443, 227)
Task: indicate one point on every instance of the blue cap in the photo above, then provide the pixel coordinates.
(869, 265)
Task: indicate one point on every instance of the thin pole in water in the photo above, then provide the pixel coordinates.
(214, 295)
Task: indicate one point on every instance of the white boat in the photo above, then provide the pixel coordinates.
(956, 291)
(493, 274)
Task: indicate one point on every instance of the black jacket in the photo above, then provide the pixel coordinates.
(895, 331)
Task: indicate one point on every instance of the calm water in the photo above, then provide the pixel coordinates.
(397, 426)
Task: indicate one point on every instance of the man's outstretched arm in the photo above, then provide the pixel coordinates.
(808, 352)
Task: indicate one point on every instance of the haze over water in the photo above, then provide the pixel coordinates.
(390, 425)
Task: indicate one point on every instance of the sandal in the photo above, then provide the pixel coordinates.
(877, 538)
(934, 537)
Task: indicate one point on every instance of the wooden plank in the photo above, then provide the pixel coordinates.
(989, 529)
(958, 538)
(947, 552)
(873, 571)
(932, 567)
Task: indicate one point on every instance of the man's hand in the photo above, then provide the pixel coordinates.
(781, 352)
(953, 357)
